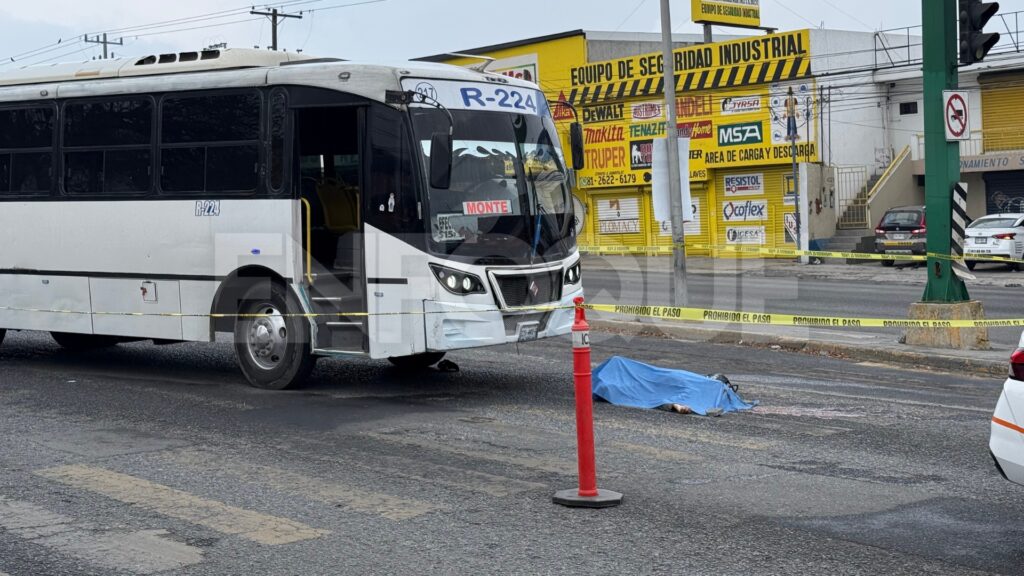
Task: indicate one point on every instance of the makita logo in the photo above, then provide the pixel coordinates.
(740, 134)
(741, 104)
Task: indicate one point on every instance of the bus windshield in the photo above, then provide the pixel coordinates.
(509, 194)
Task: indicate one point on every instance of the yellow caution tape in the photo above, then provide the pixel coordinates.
(663, 312)
(793, 252)
(771, 319)
(293, 315)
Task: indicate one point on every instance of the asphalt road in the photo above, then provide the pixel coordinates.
(146, 460)
(847, 298)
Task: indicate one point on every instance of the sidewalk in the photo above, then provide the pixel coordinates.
(858, 346)
(988, 274)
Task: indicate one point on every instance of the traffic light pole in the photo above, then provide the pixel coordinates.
(942, 159)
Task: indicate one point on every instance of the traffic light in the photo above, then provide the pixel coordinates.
(974, 42)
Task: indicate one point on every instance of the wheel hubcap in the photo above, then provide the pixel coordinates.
(267, 338)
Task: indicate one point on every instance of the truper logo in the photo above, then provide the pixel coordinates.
(740, 134)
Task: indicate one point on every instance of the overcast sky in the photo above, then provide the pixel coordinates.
(387, 30)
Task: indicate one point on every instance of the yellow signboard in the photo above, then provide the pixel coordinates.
(746, 13)
(727, 129)
(755, 60)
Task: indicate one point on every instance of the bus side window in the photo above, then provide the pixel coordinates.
(26, 151)
(391, 198)
(278, 130)
(108, 146)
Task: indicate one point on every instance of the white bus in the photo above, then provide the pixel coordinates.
(310, 207)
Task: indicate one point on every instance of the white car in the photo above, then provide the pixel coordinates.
(995, 235)
(1007, 440)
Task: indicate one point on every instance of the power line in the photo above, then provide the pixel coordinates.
(104, 42)
(274, 15)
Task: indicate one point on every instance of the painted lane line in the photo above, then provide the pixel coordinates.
(531, 463)
(141, 552)
(348, 497)
(875, 399)
(224, 518)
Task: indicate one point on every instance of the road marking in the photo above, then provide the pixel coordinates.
(877, 399)
(655, 452)
(705, 437)
(142, 552)
(351, 498)
(168, 501)
(541, 464)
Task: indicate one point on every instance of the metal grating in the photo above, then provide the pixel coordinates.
(530, 289)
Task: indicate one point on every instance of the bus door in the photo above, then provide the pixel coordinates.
(396, 266)
(331, 166)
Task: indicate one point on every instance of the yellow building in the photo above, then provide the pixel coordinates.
(733, 101)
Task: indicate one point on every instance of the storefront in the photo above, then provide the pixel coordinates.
(740, 161)
(734, 103)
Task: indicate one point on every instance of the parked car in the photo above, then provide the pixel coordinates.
(995, 235)
(901, 231)
(1007, 440)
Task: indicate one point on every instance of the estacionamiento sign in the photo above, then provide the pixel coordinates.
(736, 12)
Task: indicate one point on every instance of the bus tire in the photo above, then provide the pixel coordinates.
(273, 348)
(3, 332)
(416, 361)
(83, 342)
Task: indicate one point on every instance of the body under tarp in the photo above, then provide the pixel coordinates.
(625, 382)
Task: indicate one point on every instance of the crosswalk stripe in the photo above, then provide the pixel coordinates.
(261, 528)
(142, 552)
(351, 498)
(529, 462)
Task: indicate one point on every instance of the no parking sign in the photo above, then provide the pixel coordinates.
(956, 114)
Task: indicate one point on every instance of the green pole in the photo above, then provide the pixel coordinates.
(942, 159)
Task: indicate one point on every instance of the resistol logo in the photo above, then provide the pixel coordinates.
(740, 134)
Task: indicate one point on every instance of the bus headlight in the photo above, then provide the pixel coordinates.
(456, 282)
(572, 275)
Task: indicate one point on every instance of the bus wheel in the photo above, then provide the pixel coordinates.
(271, 343)
(82, 342)
(417, 361)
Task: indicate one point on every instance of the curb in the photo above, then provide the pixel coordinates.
(935, 361)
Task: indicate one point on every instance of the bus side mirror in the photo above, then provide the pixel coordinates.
(576, 143)
(441, 160)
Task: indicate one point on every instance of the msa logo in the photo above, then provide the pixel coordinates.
(740, 134)
(207, 207)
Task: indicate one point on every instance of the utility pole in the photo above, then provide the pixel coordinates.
(672, 147)
(103, 40)
(274, 15)
(942, 158)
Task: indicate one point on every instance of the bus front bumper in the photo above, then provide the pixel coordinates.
(452, 326)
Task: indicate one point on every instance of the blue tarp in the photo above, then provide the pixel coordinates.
(626, 382)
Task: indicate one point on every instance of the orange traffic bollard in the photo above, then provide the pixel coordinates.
(587, 495)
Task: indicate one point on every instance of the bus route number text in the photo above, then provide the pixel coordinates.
(504, 98)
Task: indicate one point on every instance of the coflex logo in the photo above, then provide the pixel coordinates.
(740, 134)
(748, 211)
(741, 104)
